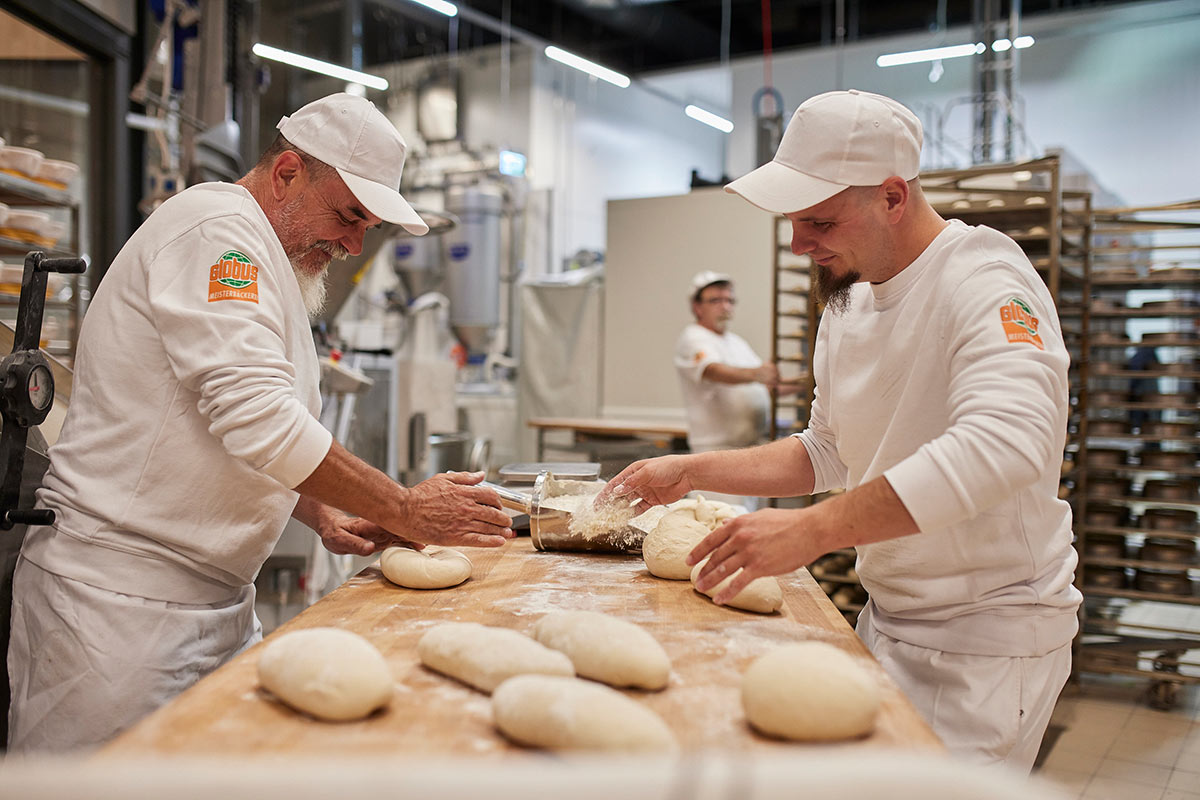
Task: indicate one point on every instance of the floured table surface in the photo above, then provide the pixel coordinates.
(709, 646)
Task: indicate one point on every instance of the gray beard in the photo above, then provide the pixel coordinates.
(313, 291)
(833, 292)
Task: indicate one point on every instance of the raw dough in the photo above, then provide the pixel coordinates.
(762, 595)
(330, 673)
(574, 714)
(810, 691)
(711, 513)
(431, 568)
(665, 549)
(606, 648)
(484, 657)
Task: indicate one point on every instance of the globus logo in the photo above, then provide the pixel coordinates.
(233, 277)
(1020, 325)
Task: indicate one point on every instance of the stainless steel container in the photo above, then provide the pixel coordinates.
(550, 528)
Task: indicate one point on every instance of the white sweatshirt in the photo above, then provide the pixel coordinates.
(950, 380)
(193, 412)
(719, 414)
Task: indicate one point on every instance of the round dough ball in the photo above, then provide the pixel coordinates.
(484, 657)
(329, 673)
(606, 648)
(810, 691)
(761, 595)
(574, 714)
(665, 549)
(431, 568)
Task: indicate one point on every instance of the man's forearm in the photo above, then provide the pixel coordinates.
(779, 469)
(869, 513)
(723, 373)
(346, 482)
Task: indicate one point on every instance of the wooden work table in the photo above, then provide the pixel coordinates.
(228, 714)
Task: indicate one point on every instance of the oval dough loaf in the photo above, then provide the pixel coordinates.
(484, 657)
(762, 595)
(326, 672)
(606, 648)
(810, 691)
(431, 568)
(574, 714)
(665, 549)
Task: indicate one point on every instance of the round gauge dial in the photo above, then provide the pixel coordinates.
(40, 387)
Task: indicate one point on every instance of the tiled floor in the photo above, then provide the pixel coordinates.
(1111, 745)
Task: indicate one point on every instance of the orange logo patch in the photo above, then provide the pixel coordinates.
(233, 277)
(697, 358)
(1020, 325)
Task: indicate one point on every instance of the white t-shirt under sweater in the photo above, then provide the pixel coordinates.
(193, 412)
(719, 414)
(950, 379)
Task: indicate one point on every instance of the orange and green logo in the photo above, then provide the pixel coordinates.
(1020, 325)
(233, 277)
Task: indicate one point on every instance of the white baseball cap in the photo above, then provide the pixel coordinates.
(351, 135)
(707, 278)
(835, 140)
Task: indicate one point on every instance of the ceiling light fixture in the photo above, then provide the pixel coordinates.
(708, 118)
(323, 67)
(583, 65)
(440, 6)
(952, 51)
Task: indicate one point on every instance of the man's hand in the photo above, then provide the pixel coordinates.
(768, 542)
(767, 374)
(655, 481)
(345, 535)
(449, 509)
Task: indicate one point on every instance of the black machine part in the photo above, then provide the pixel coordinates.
(26, 386)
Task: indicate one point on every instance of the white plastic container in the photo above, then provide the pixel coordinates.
(52, 231)
(31, 222)
(22, 159)
(3, 214)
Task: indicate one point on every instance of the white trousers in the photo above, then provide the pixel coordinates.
(990, 710)
(86, 663)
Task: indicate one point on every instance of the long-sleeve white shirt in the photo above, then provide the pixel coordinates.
(950, 380)
(193, 412)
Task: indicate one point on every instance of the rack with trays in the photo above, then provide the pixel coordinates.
(1025, 200)
(17, 192)
(1144, 374)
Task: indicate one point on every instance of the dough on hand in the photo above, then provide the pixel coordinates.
(574, 714)
(810, 691)
(329, 673)
(606, 648)
(484, 657)
(761, 595)
(665, 549)
(431, 568)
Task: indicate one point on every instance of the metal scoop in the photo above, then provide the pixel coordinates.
(550, 528)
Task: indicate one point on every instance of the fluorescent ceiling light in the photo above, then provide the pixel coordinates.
(708, 118)
(953, 51)
(313, 65)
(583, 65)
(932, 54)
(440, 6)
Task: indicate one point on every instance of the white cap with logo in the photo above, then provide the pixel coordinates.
(707, 278)
(835, 140)
(351, 135)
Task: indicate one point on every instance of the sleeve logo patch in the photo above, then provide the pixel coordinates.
(1020, 325)
(696, 359)
(233, 277)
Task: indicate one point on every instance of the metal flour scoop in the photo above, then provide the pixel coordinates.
(561, 516)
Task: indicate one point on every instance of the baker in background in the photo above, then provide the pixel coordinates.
(726, 386)
(192, 436)
(940, 404)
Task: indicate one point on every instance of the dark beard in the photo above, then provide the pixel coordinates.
(834, 292)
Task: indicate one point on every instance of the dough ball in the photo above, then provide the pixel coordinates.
(326, 672)
(573, 714)
(711, 513)
(665, 549)
(606, 648)
(484, 657)
(810, 691)
(762, 595)
(431, 568)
